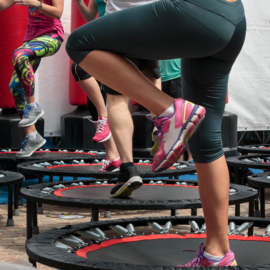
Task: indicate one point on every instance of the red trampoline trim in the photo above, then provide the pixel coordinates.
(95, 164)
(85, 153)
(59, 191)
(82, 252)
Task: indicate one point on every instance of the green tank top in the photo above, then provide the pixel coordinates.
(101, 7)
(170, 69)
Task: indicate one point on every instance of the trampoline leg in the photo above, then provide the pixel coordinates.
(10, 221)
(34, 263)
(28, 220)
(237, 210)
(262, 201)
(194, 211)
(107, 214)
(35, 229)
(40, 209)
(95, 214)
(50, 178)
(16, 211)
(75, 178)
(173, 212)
(60, 178)
(251, 214)
(20, 199)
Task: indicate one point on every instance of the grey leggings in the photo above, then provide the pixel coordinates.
(207, 34)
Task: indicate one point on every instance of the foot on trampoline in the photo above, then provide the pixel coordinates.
(30, 116)
(201, 260)
(155, 139)
(175, 131)
(30, 146)
(127, 182)
(103, 132)
(110, 165)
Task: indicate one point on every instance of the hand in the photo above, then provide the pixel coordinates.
(29, 3)
(105, 1)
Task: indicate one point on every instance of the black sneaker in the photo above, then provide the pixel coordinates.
(127, 182)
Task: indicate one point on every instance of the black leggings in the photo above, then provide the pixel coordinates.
(207, 34)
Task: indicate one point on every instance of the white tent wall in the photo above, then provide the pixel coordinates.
(249, 85)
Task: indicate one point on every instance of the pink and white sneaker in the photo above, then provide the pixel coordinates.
(175, 131)
(200, 260)
(111, 165)
(103, 132)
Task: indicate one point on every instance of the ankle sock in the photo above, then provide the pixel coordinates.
(124, 166)
(212, 258)
(32, 136)
(168, 112)
(34, 105)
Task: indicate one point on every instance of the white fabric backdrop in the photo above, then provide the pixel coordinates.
(249, 86)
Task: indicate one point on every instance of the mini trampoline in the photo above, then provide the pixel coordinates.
(11, 179)
(88, 194)
(143, 244)
(261, 181)
(9, 161)
(254, 149)
(86, 168)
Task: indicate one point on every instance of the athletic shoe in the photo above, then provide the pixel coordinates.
(30, 116)
(155, 139)
(110, 165)
(103, 132)
(30, 146)
(200, 260)
(127, 182)
(175, 131)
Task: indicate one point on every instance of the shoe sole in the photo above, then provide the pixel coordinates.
(32, 123)
(175, 153)
(106, 139)
(126, 190)
(36, 148)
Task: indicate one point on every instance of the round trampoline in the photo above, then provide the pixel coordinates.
(10, 179)
(89, 194)
(9, 161)
(143, 243)
(86, 168)
(254, 149)
(261, 181)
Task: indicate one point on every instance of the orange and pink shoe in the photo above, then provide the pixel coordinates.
(175, 131)
(201, 260)
(103, 132)
(111, 165)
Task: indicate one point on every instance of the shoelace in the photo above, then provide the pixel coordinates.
(25, 142)
(196, 261)
(105, 164)
(27, 111)
(100, 124)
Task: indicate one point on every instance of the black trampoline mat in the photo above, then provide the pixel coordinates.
(94, 167)
(145, 193)
(169, 252)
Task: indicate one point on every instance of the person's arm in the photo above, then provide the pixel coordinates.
(89, 13)
(5, 4)
(55, 11)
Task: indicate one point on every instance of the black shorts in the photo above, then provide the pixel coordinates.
(173, 88)
(142, 64)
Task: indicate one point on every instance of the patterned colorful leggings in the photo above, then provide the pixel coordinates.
(26, 60)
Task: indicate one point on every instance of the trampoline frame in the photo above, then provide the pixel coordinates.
(42, 249)
(261, 182)
(10, 179)
(34, 196)
(247, 149)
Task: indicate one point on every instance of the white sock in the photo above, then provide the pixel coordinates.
(212, 258)
(32, 136)
(33, 104)
(168, 112)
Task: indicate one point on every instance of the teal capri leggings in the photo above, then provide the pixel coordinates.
(207, 34)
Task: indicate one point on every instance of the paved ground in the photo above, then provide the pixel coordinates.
(12, 239)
